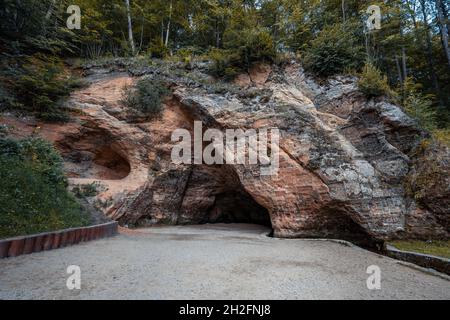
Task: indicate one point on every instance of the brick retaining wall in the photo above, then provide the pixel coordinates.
(53, 240)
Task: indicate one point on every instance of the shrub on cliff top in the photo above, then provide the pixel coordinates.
(146, 96)
(333, 51)
(243, 48)
(372, 82)
(418, 105)
(225, 63)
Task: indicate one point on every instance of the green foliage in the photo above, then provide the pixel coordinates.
(86, 190)
(41, 89)
(158, 50)
(427, 179)
(146, 96)
(33, 35)
(28, 28)
(435, 248)
(373, 83)
(188, 54)
(418, 105)
(334, 50)
(329, 35)
(243, 49)
(250, 45)
(442, 136)
(39, 86)
(422, 110)
(225, 63)
(7, 99)
(33, 190)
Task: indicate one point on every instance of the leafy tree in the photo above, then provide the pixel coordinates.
(330, 36)
(334, 50)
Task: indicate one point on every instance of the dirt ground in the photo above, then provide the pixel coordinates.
(214, 262)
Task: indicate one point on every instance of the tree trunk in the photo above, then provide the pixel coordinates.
(162, 31)
(142, 33)
(399, 70)
(130, 28)
(50, 10)
(217, 33)
(443, 28)
(166, 43)
(429, 53)
(405, 69)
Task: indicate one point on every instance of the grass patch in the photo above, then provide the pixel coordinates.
(435, 248)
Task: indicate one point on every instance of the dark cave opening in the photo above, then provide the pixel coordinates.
(337, 224)
(215, 194)
(237, 206)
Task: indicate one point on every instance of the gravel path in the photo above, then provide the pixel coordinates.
(213, 262)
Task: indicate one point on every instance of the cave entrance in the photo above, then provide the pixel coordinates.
(215, 194)
(237, 206)
(335, 223)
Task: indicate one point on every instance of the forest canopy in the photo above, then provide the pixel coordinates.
(411, 49)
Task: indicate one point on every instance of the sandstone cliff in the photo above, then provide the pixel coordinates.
(343, 158)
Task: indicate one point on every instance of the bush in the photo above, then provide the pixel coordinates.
(334, 50)
(372, 82)
(419, 106)
(185, 54)
(225, 63)
(146, 96)
(41, 87)
(33, 190)
(253, 46)
(7, 99)
(428, 179)
(442, 136)
(243, 48)
(158, 50)
(86, 190)
(421, 109)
